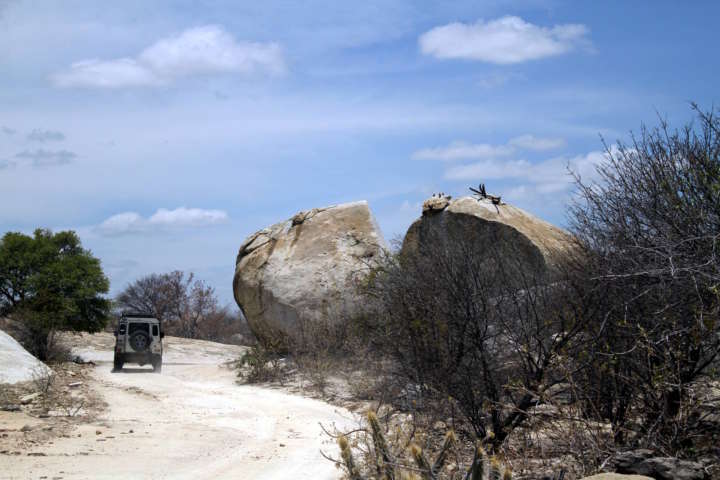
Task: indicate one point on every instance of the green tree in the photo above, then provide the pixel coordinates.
(49, 282)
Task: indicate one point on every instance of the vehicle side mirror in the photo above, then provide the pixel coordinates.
(115, 332)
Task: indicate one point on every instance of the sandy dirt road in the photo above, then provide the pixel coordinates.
(189, 422)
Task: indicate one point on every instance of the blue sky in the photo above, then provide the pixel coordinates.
(166, 132)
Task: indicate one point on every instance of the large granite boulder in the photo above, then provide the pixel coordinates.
(492, 227)
(17, 364)
(302, 271)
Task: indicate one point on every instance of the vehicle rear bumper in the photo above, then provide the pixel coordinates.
(139, 357)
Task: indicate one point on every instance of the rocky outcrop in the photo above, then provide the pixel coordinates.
(302, 270)
(16, 363)
(436, 203)
(644, 462)
(492, 226)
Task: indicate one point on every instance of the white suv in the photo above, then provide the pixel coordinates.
(138, 339)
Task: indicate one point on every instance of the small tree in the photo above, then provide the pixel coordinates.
(164, 295)
(187, 306)
(48, 282)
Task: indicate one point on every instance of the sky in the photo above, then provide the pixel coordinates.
(164, 133)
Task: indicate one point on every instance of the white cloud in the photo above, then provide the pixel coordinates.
(490, 169)
(196, 51)
(210, 49)
(531, 142)
(123, 72)
(127, 222)
(187, 217)
(549, 176)
(464, 151)
(162, 219)
(506, 40)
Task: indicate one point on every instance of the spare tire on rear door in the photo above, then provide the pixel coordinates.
(140, 341)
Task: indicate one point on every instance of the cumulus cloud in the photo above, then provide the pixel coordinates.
(38, 135)
(196, 51)
(531, 142)
(162, 219)
(465, 151)
(506, 40)
(462, 151)
(8, 130)
(552, 175)
(187, 217)
(123, 72)
(47, 158)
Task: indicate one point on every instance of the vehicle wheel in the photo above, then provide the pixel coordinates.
(157, 366)
(117, 364)
(140, 341)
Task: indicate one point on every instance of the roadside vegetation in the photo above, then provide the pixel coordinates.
(613, 350)
(470, 361)
(188, 307)
(50, 283)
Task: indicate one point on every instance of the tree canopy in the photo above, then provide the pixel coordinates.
(188, 307)
(48, 282)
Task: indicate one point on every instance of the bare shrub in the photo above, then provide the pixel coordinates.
(70, 405)
(53, 396)
(7, 395)
(43, 380)
(187, 306)
(40, 337)
(260, 364)
(649, 226)
(315, 368)
(468, 324)
(56, 350)
(368, 381)
(317, 349)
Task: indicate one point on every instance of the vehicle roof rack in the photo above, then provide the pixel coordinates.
(138, 314)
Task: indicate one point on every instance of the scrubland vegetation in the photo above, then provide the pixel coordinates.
(188, 307)
(48, 283)
(469, 356)
(614, 347)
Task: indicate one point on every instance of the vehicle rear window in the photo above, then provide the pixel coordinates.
(155, 330)
(134, 327)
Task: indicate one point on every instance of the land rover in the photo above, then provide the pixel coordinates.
(138, 339)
